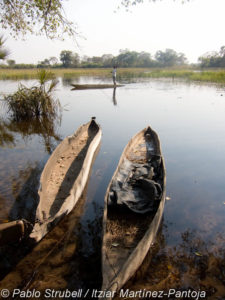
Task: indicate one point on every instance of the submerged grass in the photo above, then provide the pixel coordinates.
(217, 76)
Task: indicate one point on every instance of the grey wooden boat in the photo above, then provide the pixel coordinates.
(94, 86)
(61, 184)
(133, 209)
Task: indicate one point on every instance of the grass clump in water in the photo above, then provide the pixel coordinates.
(34, 102)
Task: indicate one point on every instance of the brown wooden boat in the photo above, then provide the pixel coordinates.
(52, 255)
(133, 210)
(61, 184)
(94, 86)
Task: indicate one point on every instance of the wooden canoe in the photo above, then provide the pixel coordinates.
(133, 209)
(61, 184)
(94, 86)
(52, 255)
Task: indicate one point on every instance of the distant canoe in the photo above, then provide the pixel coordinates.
(94, 86)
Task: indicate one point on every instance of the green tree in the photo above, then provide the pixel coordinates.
(66, 58)
(127, 58)
(169, 58)
(11, 62)
(69, 59)
(107, 60)
(213, 59)
(36, 17)
(75, 60)
(53, 60)
(144, 60)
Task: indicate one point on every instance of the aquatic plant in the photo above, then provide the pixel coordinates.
(37, 101)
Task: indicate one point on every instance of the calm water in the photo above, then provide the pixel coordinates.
(189, 119)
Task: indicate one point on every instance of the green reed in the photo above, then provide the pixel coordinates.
(37, 101)
(203, 76)
(217, 76)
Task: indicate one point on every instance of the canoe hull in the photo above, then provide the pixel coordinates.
(114, 277)
(94, 86)
(45, 218)
(60, 242)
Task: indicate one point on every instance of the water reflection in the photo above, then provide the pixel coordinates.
(24, 187)
(114, 97)
(6, 137)
(191, 265)
(26, 201)
(189, 119)
(16, 167)
(67, 81)
(45, 127)
(61, 259)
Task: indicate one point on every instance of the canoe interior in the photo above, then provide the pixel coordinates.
(125, 230)
(64, 177)
(94, 86)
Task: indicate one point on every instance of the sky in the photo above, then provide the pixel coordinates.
(193, 28)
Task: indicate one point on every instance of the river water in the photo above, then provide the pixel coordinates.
(189, 119)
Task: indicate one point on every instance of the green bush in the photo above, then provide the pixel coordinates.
(37, 101)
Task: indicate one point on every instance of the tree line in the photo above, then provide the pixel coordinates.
(125, 58)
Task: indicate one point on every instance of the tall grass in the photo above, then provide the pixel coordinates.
(204, 76)
(14, 74)
(34, 102)
(217, 76)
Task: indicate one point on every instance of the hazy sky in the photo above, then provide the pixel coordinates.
(192, 28)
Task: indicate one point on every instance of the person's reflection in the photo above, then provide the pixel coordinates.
(114, 96)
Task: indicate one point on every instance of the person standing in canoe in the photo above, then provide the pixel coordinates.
(114, 75)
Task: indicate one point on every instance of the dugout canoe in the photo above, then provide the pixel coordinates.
(94, 86)
(61, 184)
(133, 209)
(56, 250)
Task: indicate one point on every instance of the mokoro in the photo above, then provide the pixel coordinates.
(52, 255)
(94, 86)
(133, 208)
(61, 184)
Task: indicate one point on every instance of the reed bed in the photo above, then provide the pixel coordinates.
(203, 76)
(15, 74)
(217, 76)
(35, 102)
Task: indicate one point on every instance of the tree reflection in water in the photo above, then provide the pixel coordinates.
(20, 176)
(6, 137)
(14, 171)
(44, 127)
